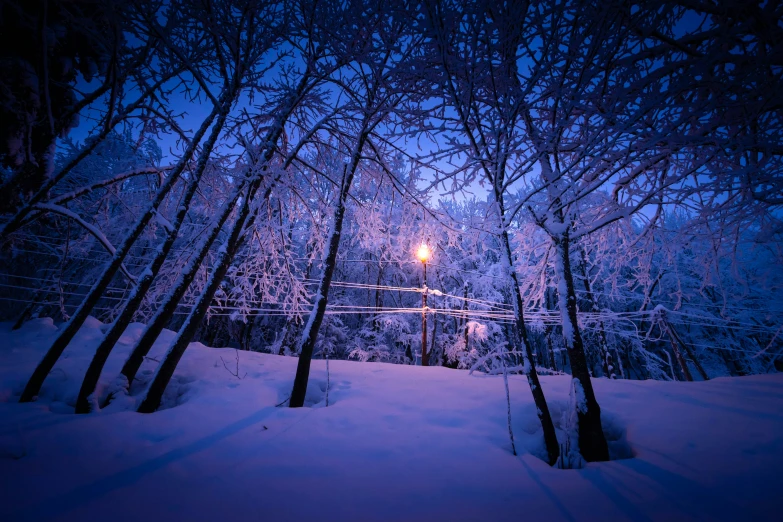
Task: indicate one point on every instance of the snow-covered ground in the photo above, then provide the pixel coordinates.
(395, 443)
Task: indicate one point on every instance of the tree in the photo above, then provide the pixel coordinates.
(54, 43)
(261, 178)
(380, 42)
(469, 43)
(244, 70)
(219, 115)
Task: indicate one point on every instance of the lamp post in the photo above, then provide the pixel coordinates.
(423, 253)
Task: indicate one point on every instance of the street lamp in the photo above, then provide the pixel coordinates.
(423, 253)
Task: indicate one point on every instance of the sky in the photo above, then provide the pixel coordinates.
(192, 113)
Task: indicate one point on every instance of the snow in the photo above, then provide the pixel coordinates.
(396, 443)
(91, 228)
(570, 458)
(162, 221)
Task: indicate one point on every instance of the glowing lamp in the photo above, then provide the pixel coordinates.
(423, 253)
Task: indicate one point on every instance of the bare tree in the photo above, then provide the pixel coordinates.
(218, 115)
(259, 187)
(256, 36)
(467, 41)
(380, 42)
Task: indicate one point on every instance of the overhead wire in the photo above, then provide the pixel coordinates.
(500, 310)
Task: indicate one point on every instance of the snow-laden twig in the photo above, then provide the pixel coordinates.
(68, 196)
(92, 229)
(235, 372)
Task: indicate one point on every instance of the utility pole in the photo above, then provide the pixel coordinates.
(423, 254)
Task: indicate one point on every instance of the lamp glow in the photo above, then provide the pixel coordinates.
(423, 253)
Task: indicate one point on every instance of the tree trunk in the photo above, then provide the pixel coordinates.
(169, 306)
(542, 408)
(378, 296)
(80, 315)
(310, 333)
(137, 296)
(166, 368)
(465, 331)
(606, 355)
(247, 332)
(434, 334)
(676, 350)
(592, 442)
(688, 350)
(455, 363)
(548, 331)
(27, 313)
(132, 365)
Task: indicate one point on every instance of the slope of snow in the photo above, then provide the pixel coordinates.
(395, 443)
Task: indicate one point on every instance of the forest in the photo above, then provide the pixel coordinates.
(518, 187)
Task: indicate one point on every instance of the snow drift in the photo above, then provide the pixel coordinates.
(395, 443)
